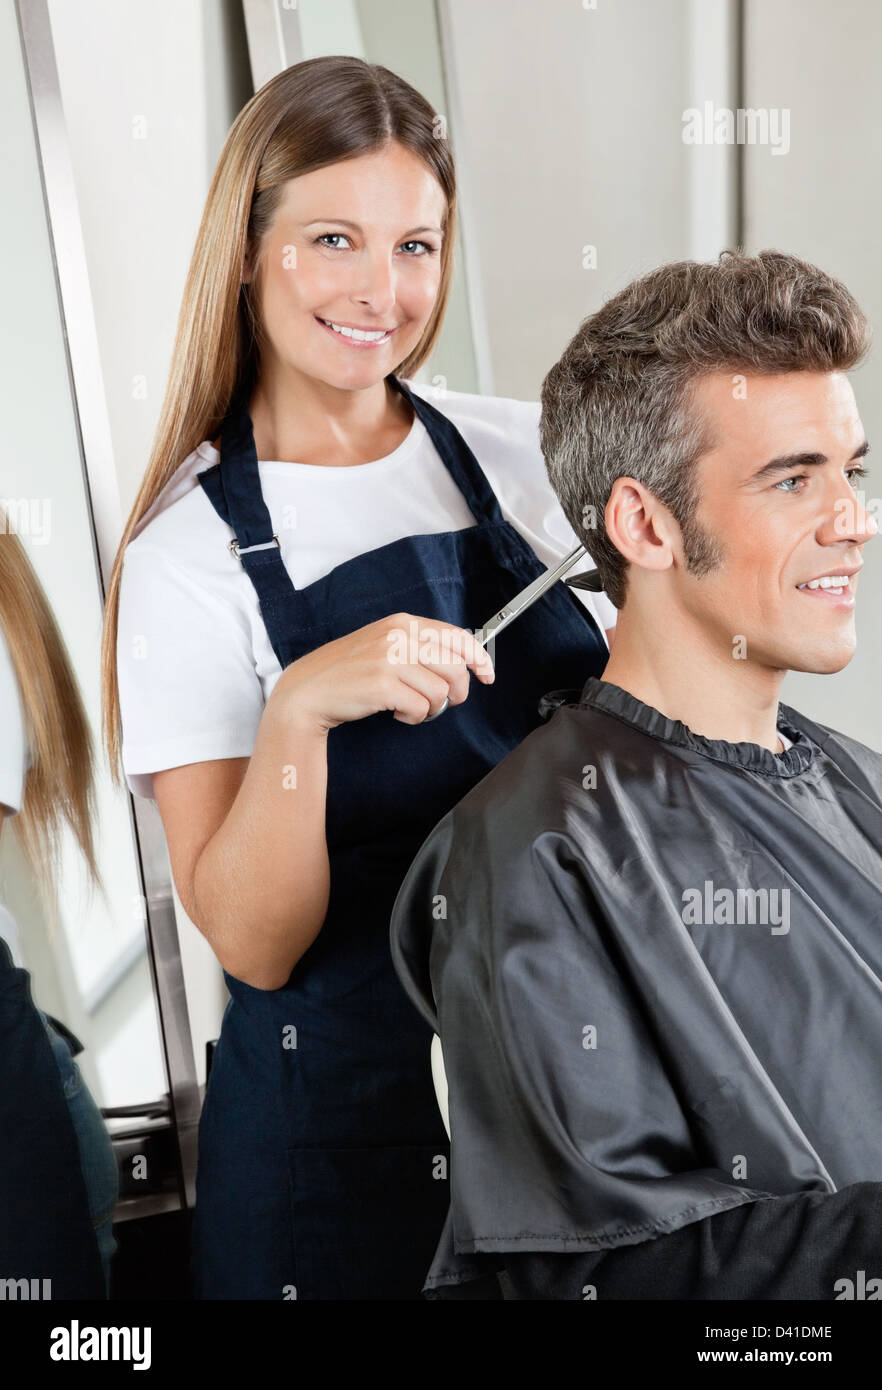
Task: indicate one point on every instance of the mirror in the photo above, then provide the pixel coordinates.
(98, 970)
(94, 974)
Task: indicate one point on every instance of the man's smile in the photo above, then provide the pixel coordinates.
(834, 587)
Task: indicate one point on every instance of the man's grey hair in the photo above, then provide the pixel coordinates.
(619, 401)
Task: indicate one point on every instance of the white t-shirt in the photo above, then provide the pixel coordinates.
(195, 662)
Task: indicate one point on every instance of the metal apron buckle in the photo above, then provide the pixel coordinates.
(244, 550)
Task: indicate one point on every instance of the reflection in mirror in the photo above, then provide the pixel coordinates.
(86, 950)
(82, 939)
(47, 786)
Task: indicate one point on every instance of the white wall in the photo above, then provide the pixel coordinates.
(572, 135)
(823, 201)
(565, 143)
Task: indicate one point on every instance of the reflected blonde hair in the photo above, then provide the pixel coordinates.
(313, 114)
(59, 786)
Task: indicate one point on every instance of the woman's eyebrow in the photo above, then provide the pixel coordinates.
(342, 222)
(787, 462)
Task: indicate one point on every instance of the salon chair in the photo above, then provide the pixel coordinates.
(439, 1077)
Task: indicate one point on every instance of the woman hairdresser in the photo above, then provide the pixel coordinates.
(324, 510)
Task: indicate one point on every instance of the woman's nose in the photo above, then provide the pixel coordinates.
(375, 283)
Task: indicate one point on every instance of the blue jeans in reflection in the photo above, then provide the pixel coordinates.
(97, 1158)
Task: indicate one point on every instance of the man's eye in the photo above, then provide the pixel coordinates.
(853, 474)
(330, 236)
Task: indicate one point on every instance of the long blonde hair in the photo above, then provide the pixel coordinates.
(313, 114)
(59, 786)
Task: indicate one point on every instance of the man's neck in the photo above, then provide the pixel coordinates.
(687, 676)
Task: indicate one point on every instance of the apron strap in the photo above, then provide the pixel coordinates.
(233, 488)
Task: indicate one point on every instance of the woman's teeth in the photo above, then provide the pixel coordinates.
(836, 582)
(360, 335)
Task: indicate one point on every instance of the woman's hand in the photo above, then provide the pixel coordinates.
(403, 663)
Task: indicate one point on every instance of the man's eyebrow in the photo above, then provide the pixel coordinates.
(342, 222)
(788, 463)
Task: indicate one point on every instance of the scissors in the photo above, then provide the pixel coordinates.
(590, 580)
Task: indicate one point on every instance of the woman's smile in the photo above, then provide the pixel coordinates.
(355, 336)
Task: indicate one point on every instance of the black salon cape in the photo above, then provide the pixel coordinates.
(620, 1064)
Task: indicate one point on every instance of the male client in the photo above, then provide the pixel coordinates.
(651, 938)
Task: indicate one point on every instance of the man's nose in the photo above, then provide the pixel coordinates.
(853, 518)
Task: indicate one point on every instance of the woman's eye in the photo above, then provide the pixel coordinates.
(797, 477)
(412, 248)
(427, 249)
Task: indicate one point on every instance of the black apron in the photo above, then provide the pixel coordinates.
(322, 1154)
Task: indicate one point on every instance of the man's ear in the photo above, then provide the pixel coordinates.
(640, 526)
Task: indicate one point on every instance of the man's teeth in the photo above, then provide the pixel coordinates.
(829, 581)
(361, 334)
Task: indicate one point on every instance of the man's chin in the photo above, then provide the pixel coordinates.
(825, 659)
